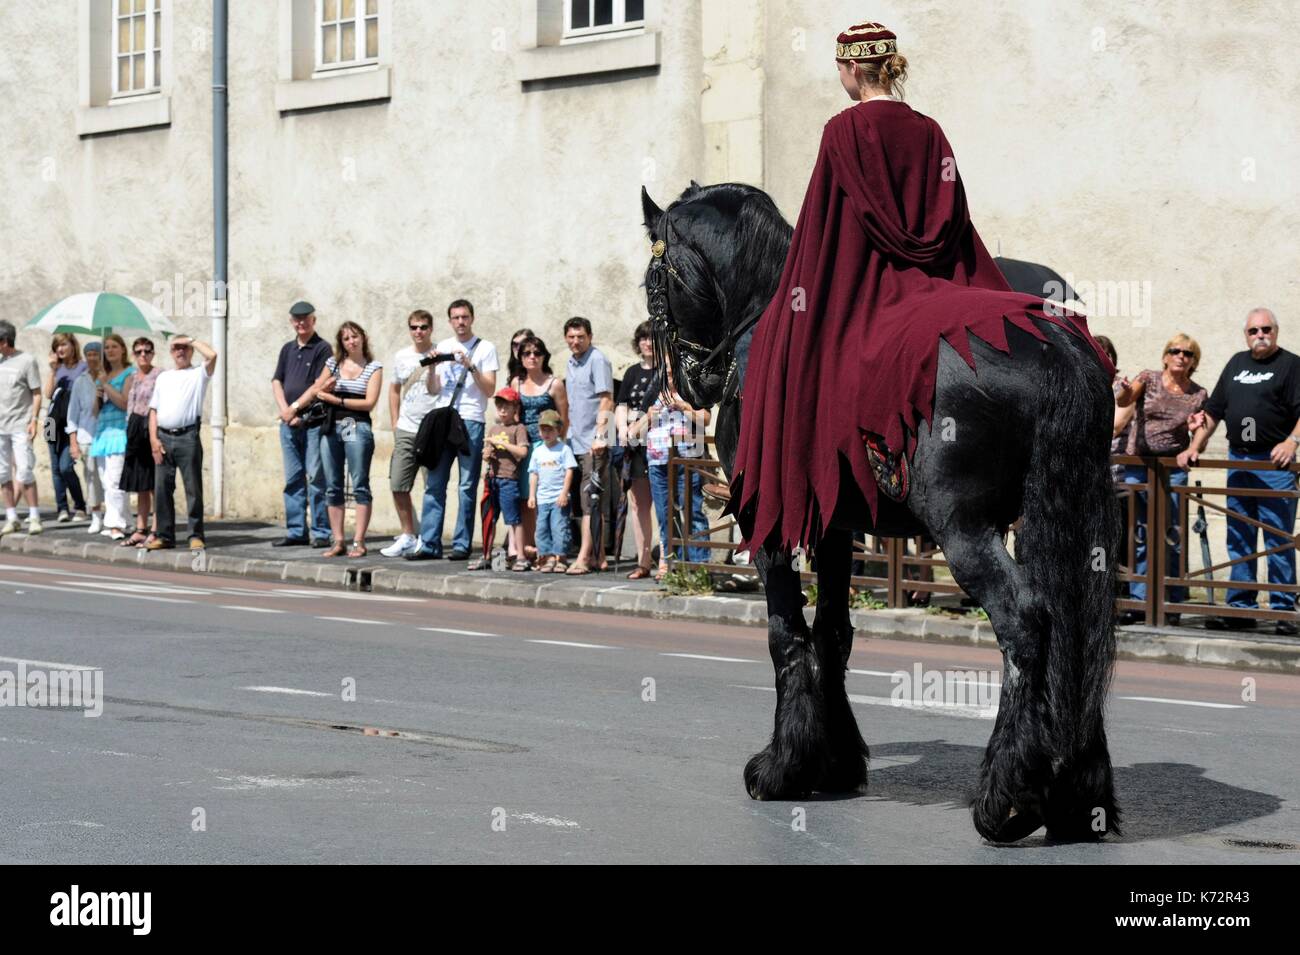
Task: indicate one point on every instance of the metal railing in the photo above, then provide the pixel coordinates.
(900, 572)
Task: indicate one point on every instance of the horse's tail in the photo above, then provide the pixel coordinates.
(1068, 544)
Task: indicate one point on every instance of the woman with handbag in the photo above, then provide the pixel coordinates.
(343, 398)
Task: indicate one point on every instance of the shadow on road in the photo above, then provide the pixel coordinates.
(1158, 800)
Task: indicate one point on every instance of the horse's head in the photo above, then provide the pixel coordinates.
(715, 258)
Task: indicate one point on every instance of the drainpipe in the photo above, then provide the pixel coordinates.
(220, 226)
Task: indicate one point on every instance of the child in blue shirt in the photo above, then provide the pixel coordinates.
(550, 479)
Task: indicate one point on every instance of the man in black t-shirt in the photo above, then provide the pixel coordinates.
(1258, 400)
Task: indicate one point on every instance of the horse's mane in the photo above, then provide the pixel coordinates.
(740, 227)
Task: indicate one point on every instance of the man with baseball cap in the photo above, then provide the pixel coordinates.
(300, 364)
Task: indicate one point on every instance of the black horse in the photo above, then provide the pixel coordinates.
(1032, 443)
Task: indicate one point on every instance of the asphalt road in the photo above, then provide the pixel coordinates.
(526, 736)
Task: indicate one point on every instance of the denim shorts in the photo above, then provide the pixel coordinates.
(505, 494)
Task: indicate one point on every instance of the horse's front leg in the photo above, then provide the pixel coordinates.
(797, 758)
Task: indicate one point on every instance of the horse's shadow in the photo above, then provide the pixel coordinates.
(1158, 800)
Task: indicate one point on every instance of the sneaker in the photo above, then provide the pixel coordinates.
(34, 525)
(419, 552)
(63, 517)
(159, 544)
(458, 555)
(79, 516)
(10, 527)
(400, 547)
(96, 524)
(196, 543)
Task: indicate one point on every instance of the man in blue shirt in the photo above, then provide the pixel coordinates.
(300, 364)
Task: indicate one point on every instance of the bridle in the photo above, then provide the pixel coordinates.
(697, 362)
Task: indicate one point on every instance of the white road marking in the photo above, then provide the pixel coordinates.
(251, 609)
(460, 633)
(137, 587)
(1161, 699)
(545, 820)
(877, 672)
(907, 674)
(344, 595)
(46, 664)
(114, 593)
(580, 646)
(701, 656)
(284, 689)
(373, 623)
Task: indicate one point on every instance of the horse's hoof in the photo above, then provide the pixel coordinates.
(764, 779)
(845, 776)
(1017, 825)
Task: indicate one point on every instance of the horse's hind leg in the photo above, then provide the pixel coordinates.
(833, 637)
(1017, 767)
(795, 760)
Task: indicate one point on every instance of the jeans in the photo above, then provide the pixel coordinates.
(1137, 590)
(469, 461)
(183, 452)
(349, 443)
(304, 482)
(552, 529)
(66, 483)
(505, 500)
(659, 491)
(1243, 537)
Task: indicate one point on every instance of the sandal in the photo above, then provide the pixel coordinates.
(144, 544)
(479, 563)
(546, 566)
(641, 573)
(560, 567)
(335, 550)
(358, 549)
(577, 570)
(135, 540)
(661, 573)
(521, 566)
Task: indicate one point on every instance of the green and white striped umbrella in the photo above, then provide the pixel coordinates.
(98, 313)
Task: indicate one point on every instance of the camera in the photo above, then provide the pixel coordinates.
(435, 358)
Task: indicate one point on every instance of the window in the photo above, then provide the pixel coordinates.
(137, 47)
(347, 33)
(589, 19)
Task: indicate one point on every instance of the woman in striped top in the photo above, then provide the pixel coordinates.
(351, 381)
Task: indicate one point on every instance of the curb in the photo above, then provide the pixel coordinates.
(1134, 643)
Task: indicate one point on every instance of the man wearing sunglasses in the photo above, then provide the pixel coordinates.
(1258, 400)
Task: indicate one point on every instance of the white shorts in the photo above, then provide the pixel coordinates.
(16, 459)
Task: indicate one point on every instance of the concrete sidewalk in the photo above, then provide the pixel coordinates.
(243, 549)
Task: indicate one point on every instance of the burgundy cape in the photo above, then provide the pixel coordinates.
(883, 263)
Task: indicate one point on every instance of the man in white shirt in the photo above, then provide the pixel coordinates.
(175, 413)
(409, 401)
(20, 409)
(474, 371)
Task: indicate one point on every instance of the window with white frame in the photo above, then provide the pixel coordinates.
(347, 33)
(584, 19)
(137, 47)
